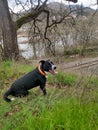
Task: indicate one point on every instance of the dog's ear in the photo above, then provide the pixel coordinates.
(42, 61)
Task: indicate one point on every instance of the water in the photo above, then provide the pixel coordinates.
(26, 49)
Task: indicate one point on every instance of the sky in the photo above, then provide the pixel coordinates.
(90, 3)
(87, 3)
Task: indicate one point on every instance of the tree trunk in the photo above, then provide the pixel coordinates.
(9, 32)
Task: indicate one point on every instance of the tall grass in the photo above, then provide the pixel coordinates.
(61, 109)
(11, 68)
(60, 114)
(63, 79)
(9, 71)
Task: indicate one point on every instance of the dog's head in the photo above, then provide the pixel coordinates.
(48, 66)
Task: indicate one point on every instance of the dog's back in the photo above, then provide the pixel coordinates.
(28, 81)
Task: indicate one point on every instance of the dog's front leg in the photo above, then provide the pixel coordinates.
(43, 90)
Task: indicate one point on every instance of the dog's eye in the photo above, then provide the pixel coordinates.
(51, 62)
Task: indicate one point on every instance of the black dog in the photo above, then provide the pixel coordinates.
(35, 78)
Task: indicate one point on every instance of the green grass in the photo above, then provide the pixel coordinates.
(9, 71)
(63, 79)
(41, 113)
(71, 108)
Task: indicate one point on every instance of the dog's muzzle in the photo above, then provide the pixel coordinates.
(52, 70)
(54, 67)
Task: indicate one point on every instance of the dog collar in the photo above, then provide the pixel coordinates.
(43, 73)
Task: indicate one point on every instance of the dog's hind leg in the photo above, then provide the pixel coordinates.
(21, 93)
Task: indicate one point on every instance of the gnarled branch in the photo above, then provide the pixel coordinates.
(30, 16)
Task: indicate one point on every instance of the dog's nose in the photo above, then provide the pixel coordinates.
(54, 67)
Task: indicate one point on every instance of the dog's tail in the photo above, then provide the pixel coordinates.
(7, 94)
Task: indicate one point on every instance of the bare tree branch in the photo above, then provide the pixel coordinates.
(55, 22)
(30, 16)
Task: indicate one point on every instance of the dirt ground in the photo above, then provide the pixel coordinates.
(82, 66)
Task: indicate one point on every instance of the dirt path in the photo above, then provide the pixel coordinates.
(84, 66)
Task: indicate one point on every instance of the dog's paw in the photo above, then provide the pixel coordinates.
(12, 99)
